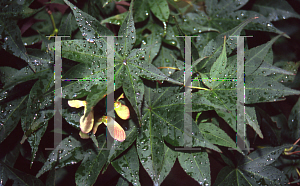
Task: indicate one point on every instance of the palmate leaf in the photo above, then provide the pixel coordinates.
(294, 119)
(159, 108)
(67, 26)
(141, 10)
(193, 23)
(165, 59)
(159, 105)
(275, 10)
(39, 60)
(223, 100)
(69, 151)
(222, 96)
(125, 64)
(92, 163)
(12, 40)
(51, 177)
(98, 8)
(128, 166)
(160, 9)
(157, 160)
(9, 159)
(287, 135)
(288, 78)
(269, 128)
(217, 70)
(287, 166)
(251, 119)
(117, 19)
(127, 33)
(15, 10)
(215, 46)
(256, 171)
(162, 119)
(216, 135)
(19, 177)
(122, 182)
(19, 76)
(224, 15)
(170, 38)
(10, 116)
(265, 89)
(282, 74)
(153, 41)
(82, 51)
(92, 68)
(133, 67)
(9, 30)
(196, 165)
(255, 56)
(13, 77)
(90, 27)
(34, 121)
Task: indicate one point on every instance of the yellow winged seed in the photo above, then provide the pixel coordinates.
(77, 103)
(122, 110)
(83, 135)
(99, 122)
(120, 97)
(115, 130)
(87, 125)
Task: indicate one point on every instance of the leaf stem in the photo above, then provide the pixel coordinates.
(200, 88)
(55, 31)
(291, 153)
(168, 68)
(296, 141)
(297, 171)
(289, 149)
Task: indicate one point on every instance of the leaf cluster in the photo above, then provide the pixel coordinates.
(146, 40)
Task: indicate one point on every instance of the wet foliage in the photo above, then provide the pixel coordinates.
(146, 142)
